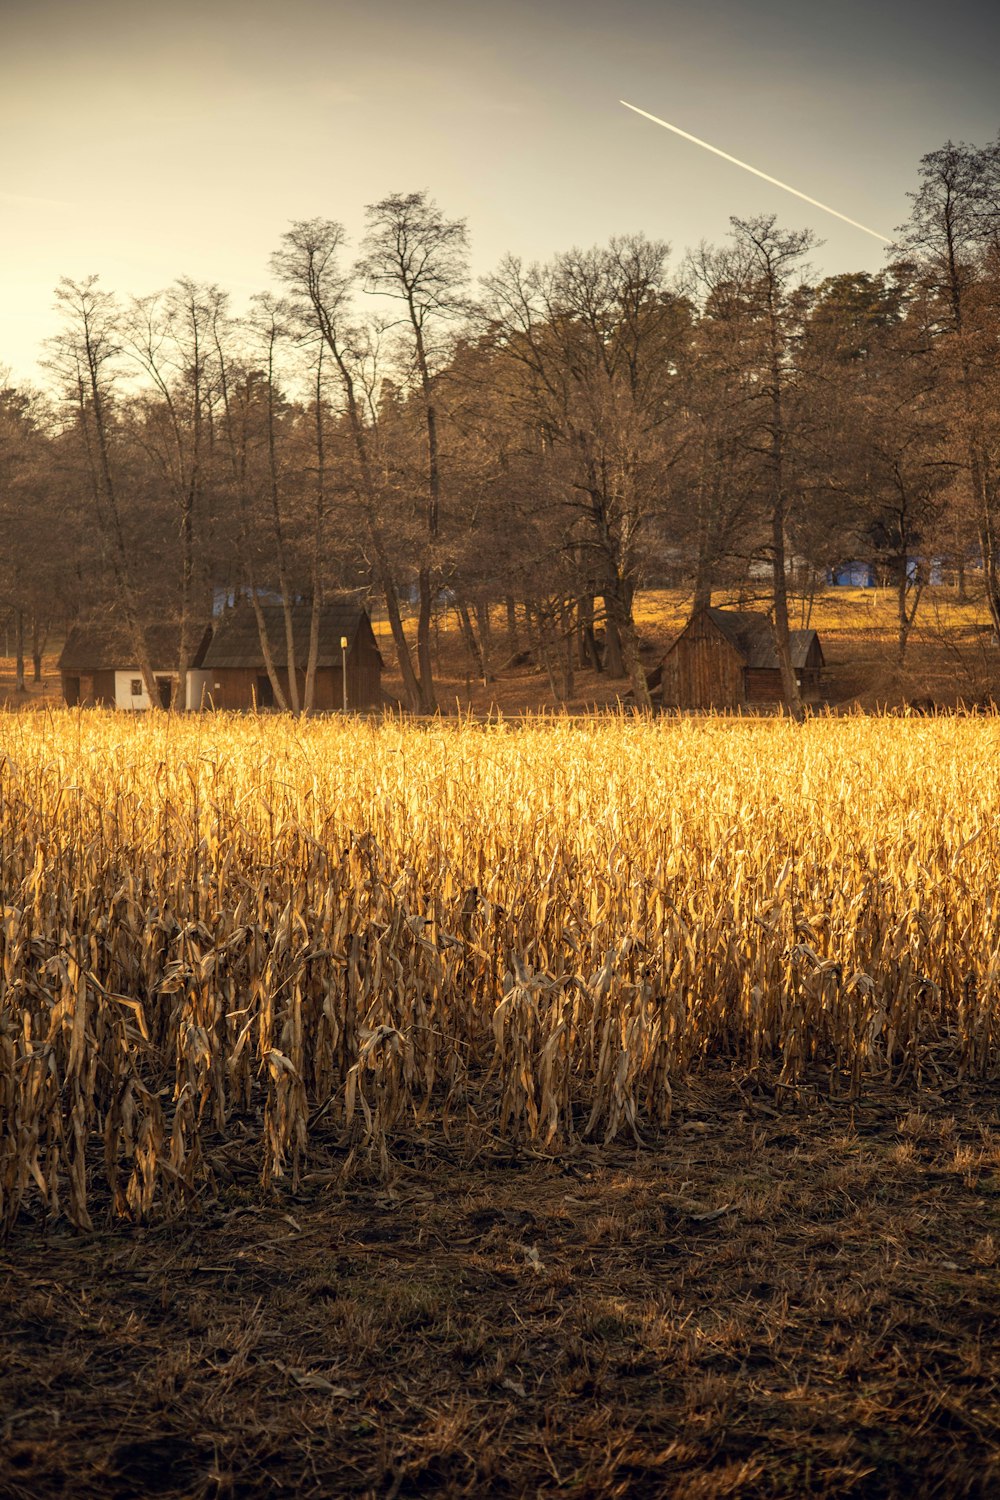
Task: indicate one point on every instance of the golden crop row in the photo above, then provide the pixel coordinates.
(348, 927)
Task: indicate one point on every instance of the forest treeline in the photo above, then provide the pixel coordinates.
(531, 450)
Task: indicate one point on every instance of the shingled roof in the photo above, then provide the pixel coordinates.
(106, 646)
(236, 641)
(752, 635)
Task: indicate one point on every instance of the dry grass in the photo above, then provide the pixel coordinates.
(225, 935)
(776, 1303)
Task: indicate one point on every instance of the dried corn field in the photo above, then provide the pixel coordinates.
(258, 931)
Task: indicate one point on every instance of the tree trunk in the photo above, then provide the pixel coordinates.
(389, 593)
(779, 503)
(179, 693)
(548, 653)
(284, 583)
(702, 582)
(319, 515)
(469, 637)
(309, 691)
(618, 603)
(709, 526)
(782, 633)
(428, 702)
(38, 639)
(246, 550)
(265, 646)
(614, 654)
(513, 639)
(482, 608)
(19, 685)
(568, 627)
(531, 631)
(991, 566)
(587, 653)
(907, 603)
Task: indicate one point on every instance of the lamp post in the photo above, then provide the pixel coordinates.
(343, 667)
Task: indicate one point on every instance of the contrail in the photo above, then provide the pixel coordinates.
(748, 168)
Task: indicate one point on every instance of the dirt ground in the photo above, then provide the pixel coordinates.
(785, 1296)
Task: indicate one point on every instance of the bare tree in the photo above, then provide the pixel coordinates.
(30, 514)
(85, 358)
(597, 336)
(753, 278)
(271, 324)
(169, 335)
(953, 237)
(244, 410)
(719, 517)
(308, 264)
(877, 432)
(318, 528)
(414, 254)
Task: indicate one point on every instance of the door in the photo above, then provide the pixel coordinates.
(164, 689)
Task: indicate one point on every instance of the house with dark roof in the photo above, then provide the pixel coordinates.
(97, 665)
(726, 658)
(236, 676)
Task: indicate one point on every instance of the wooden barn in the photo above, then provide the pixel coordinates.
(98, 667)
(726, 658)
(236, 677)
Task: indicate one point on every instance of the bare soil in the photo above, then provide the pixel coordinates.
(786, 1295)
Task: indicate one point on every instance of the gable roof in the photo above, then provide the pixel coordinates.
(236, 639)
(106, 646)
(752, 635)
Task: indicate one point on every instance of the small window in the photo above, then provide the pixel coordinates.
(136, 687)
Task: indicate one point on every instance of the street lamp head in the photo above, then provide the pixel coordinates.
(343, 643)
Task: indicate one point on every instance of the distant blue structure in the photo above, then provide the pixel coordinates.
(935, 569)
(859, 574)
(852, 575)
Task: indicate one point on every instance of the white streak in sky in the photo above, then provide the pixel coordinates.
(747, 168)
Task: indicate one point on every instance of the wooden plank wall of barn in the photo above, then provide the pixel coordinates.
(702, 670)
(238, 685)
(364, 676)
(98, 688)
(763, 685)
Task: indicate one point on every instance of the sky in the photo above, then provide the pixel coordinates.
(145, 141)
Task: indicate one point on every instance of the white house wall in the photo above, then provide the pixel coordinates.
(124, 696)
(198, 687)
